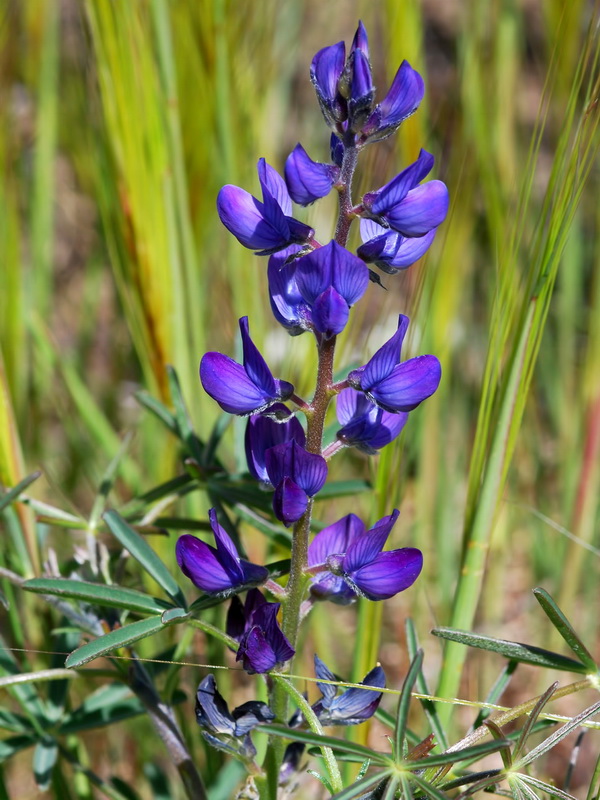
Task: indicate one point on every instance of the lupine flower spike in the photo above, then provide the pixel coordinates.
(217, 570)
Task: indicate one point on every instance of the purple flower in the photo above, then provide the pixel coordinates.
(394, 385)
(265, 227)
(255, 626)
(325, 72)
(239, 389)
(287, 304)
(263, 432)
(220, 726)
(308, 180)
(366, 426)
(402, 100)
(351, 707)
(330, 279)
(296, 476)
(359, 80)
(217, 570)
(352, 560)
(389, 250)
(408, 208)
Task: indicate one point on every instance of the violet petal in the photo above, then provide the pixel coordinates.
(389, 573)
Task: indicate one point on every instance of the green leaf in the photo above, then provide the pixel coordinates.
(428, 705)
(392, 786)
(557, 736)
(453, 757)
(44, 759)
(564, 627)
(525, 653)
(180, 485)
(343, 489)
(547, 788)
(184, 426)
(113, 640)
(98, 593)
(145, 555)
(12, 494)
(357, 790)
(428, 788)
(496, 691)
(159, 410)
(14, 744)
(107, 482)
(404, 705)
(275, 533)
(532, 719)
(13, 722)
(340, 745)
(174, 615)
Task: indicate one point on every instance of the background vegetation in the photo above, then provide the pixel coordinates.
(119, 122)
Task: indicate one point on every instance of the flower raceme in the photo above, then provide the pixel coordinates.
(239, 389)
(347, 560)
(217, 570)
(396, 385)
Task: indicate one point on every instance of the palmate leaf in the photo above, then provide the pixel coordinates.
(564, 627)
(145, 555)
(98, 593)
(14, 744)
(525, 653)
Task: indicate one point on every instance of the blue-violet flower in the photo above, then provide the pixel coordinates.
(220, 726)
(238, 389)
(366, 426)
(287, 304)
(390, 251)
(296, 475)
(351, 707)
(408, 208)
(263, 432)
(265, 227)
(331, 279)
(255, 626)
(308, 180)
(217, 570)
(394, 385)
(352, 561)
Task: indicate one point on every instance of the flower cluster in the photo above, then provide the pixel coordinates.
(313, 286)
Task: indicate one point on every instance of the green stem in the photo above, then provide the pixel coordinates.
(335, 778)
